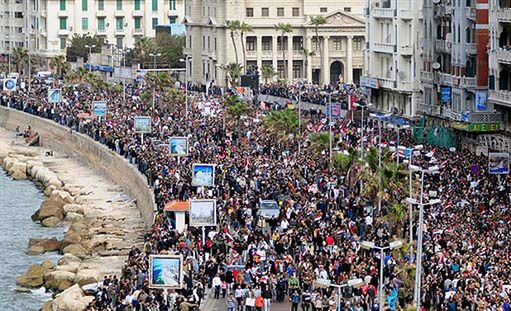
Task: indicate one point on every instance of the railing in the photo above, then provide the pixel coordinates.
(503, 56)
(443, 46)
(445, 78)
(138, 31)
(406, 14)
(472, 48)
(428, 109)
(406, 50)
(251, 53)
(101, 31)
(383, 13)
(119, 31)
(471, 13)
(267, 52)
(503, 14)
(384, 47)
(500, 96)
(387, 83)
(469, 82)
(138, 13)
(427, 76)
(485, 117)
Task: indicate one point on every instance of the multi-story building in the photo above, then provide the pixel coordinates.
(499, 94)
(45, 27)
(337, 54)
(392, 56)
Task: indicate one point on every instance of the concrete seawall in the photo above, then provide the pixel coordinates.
(89, 152)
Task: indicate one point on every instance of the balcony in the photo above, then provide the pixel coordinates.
(501, 97)
(405, 86)
(503, 56)
(138, 31)
(406, 14)
(120, 32)
(101, 32)
(384, 47)
(443, 46)
(468, 82)
(138, 13)
(63, 32)
(383, 13)
(503, 15)
(471, 13)
(101, 13)
(251, 53)
(484, 117)
(427, 76)
(471, 48)
(43, 13)
(445, 78)
(386, 83)
(172, 12)
(267, 53)
(119, 13)
(62, 13)
(406, 50)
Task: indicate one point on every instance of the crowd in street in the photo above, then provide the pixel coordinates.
(253, 263)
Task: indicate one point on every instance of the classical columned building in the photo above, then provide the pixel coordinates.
(338, 54)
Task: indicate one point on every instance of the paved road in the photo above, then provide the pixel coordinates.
(211, 304)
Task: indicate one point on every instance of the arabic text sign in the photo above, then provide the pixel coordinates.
(99, 108)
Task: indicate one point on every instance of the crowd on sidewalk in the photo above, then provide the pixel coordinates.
(253, 263)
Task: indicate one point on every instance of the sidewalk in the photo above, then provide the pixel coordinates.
(211, 304)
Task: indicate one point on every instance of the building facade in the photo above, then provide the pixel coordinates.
(46, 27)
(339, 54)
(393, 57)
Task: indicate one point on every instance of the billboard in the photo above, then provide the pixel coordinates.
(203, 175)
(99, 108)
(202, 213)
(165, 271)
(498, 163)
(9, 85)
(142, 124)
(445, 94)
(178, 146)
(54, 96)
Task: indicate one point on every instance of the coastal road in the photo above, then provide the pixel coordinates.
(211, 304)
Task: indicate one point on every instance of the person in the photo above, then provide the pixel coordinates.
(231, 302)
(267, 295)
(295, 300)
(216, 283)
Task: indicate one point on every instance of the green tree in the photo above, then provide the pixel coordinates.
(143, 47)
(306, 53)
(59, 64)
(243, 29)
(320, 141)
(317, 21)
(345, 163)
(19, 56)
(234, 27)
(283, 28)
(233, 71)
(171, 48)
(77, 47)
(268, 73)
(235, 108)
(282, 123)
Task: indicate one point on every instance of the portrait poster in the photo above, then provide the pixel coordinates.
(498, 163)
(142, 124)
(99, 108)
(54, 96)
(202, 213)
(166, 271)
(9, 85)
(203, 175)
(178, 146)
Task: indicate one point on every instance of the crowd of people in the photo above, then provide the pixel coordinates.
(252, 262)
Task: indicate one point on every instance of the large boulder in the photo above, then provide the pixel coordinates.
(33, 278)
(63, 196)
(53, 206)
(87, 276)
(18, 171)
(71, 299)
(69, 259)
(58, 279)
(49, 245)
(71, 237)
(48, 265)
(70, 267)
(31, 164)
(73, 208)
(76, 250)
(35, 250)
(71, 216)
(51, 222)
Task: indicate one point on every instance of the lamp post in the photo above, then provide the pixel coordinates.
(371, 246)
(124, 52)
(154, 67)
(186, 60)
(356, 283)
(420, 231)
(362, 126)
(398, 127)
(90, 47)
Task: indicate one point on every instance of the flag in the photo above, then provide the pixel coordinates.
(392, 299)
(352, 102)
(334, 110)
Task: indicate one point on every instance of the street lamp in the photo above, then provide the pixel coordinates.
(381, 119)
(398, 127)
(356, 283)
(371, 246)
(154, 67)
(90, 47)
(363, 106)
(431, 170)
(9, 54)
(124, 52)
(186, 60)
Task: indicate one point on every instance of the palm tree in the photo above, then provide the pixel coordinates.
(78, 76)
(19, 56)
(395, 215)
(234, 27)
(306, 53)
(236, 110)
(283, 28)
(281, 124)
(143, 47)
(59, 63)
(243, 29)
(320, 141)
(233, 71)
(317, 21)
(268, 72)
(345, 163)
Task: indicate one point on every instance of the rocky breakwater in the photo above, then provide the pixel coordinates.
(102, 225)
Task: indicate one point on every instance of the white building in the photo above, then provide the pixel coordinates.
(339, 54)
(393, 56)
(51, 24)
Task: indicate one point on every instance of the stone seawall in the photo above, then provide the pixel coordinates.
(89, 152)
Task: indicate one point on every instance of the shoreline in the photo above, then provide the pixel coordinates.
(100, 218)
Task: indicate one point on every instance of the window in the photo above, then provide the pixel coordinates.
(119, 23)
(172, 19)
(265, 12)
(266, 44)
(85, 5)
(296, 11)
(101, 23)
(137, 5)
(280, 70)
(85, 23)
(251, 43)
(281, 45)
(118, 5)
(323, 10)
(62, 5)
(138, 22)
(209, 43)
(155, 5)
(18, 14)
(101, 5)
(337, 43)
(63, 43)
(297, 70)
(347, 9)
(203, 42)
(315, 44)
(155, 22)
(119, 42)
(280, 11)
(63, 23)
(215, 44)
(250, 12)
(298, 43)
(172, 4)
(357, 43)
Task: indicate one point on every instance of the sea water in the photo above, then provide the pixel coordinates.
(18, 201)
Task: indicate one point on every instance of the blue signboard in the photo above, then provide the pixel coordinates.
(99, 108)
(445, 94)
(481, 104)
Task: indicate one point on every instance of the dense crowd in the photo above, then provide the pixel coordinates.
(252, 262)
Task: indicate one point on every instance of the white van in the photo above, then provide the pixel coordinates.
(42, 74)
